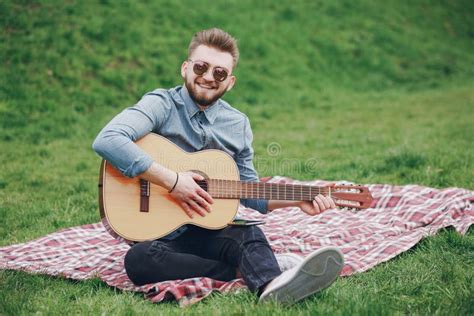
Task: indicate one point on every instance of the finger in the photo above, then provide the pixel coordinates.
(187, 209)
(333, 204)
(316, 207)
(203, 203)
(320, 203)
(197, 208)
(325, 201)
(205, 195)
(196, 176)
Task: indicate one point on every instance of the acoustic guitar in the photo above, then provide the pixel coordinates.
(136, 210)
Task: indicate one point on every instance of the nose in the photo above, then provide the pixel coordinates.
(208, 75)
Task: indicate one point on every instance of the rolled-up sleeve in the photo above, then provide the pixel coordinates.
(115, 142)
(247, 171)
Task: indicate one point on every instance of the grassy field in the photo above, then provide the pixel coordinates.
(368, 92)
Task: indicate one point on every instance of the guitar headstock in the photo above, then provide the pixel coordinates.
(352, 196)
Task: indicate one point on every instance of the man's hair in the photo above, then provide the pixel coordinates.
(218, 39)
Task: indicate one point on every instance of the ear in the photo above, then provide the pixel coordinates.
(184, 67)
(232, 81)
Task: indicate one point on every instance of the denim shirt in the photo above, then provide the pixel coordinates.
(173, 114)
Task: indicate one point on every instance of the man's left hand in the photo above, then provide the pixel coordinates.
(319, 204)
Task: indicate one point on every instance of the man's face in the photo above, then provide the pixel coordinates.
(205, 89)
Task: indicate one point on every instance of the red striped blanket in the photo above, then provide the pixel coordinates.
(400, 217)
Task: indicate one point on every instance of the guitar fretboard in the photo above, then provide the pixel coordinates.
(231, 189)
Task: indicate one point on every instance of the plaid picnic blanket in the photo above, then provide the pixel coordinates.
(400, 217)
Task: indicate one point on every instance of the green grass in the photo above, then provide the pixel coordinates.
(362, 91)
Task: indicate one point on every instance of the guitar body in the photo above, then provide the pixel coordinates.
(120, 196)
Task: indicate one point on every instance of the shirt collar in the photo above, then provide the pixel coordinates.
(191, 107)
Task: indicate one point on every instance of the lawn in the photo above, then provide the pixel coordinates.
(361, 91)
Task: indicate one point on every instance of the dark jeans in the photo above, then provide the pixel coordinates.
(200, 252)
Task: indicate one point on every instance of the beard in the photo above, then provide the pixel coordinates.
(204, 97)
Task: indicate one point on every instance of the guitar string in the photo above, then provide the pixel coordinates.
(258, 186)
(235, 188)
(270, 190)
(236, 192)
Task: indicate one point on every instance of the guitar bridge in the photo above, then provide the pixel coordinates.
(144, 195)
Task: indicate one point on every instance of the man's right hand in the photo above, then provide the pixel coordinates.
(187, 193)
(190, 196)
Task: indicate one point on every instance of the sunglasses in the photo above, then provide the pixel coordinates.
(200, 68)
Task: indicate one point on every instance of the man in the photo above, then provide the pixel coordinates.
(195, 117)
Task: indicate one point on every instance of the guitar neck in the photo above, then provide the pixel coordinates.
(231, 189)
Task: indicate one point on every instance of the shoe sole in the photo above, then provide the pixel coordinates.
(296, 261)
(315, 273)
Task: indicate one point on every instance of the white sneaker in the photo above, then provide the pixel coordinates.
(316, 272)
(288, 260)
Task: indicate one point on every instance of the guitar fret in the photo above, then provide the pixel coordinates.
(235, 189)
(257, 188)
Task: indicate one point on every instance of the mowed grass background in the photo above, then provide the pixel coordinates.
(364, 91)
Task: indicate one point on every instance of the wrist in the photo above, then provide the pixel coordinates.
(160, 175)
(168, 178)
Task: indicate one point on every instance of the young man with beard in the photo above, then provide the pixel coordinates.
(194, 117)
